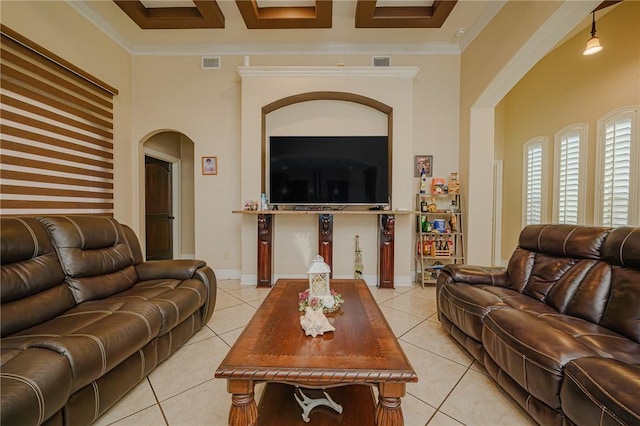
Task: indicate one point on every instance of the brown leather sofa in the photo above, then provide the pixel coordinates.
(84, 318)
(559, 327)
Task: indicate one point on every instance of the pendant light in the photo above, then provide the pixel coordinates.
(593, 45)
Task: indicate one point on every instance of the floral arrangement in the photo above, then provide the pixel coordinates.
(327, 304)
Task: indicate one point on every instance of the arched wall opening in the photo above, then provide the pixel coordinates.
(177, 149)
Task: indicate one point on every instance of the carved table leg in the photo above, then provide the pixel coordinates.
(243, 411)
(388, 410)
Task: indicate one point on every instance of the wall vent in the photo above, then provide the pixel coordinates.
(381, 61)
(211, 63)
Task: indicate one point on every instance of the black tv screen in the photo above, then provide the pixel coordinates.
(325, 170)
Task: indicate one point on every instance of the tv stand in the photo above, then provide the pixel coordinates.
(386, 233)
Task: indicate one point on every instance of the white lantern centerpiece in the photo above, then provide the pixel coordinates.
(319, 280)
(319, 295)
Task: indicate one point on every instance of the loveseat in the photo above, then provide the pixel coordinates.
(559, 327)
(84, 318)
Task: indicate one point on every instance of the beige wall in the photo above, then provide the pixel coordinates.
(567, 88)
(57, 27)
(205, 105)
(520, 34)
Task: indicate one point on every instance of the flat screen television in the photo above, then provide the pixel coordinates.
(328, 170)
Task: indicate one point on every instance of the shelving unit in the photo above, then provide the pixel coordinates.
(433, 248)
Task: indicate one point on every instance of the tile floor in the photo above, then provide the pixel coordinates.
(453, 389)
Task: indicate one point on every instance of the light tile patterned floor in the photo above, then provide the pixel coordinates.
(453, 389)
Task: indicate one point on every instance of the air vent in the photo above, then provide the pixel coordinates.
(381, 61)
(211, 63)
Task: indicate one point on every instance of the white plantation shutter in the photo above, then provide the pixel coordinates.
(534, 185)
(616, 169)
(568, 175)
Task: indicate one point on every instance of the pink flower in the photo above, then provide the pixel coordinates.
(303, 296)
(314, 302)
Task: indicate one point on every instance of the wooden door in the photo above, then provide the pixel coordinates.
(158, 209)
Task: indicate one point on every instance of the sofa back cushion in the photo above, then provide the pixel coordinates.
(33, 288)
(561, 266)
(622, 250)
(94, 254)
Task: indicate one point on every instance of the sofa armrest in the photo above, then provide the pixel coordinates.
(208, 277)
(472, 274)
(178, 269)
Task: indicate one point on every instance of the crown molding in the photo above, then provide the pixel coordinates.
(91, 16)
(335, 71)
(298, 49)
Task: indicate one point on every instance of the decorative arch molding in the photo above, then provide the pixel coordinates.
(324, 96)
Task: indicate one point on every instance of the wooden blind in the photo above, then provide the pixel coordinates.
(56, 133)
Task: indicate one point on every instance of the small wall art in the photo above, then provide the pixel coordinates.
(420, 162)
(209, 165)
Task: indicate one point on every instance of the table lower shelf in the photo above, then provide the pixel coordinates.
(278, 406)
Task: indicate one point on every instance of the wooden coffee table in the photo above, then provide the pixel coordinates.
(274, 348)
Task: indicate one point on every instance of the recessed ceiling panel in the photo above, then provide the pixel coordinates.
(255, 17)
(369, 14)
(202, 14)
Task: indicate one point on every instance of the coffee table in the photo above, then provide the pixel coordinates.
(274, 348)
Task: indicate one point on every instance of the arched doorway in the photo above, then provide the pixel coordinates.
(169, 196)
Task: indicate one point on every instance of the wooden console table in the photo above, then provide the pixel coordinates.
(386, 232)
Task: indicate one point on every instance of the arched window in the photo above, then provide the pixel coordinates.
(617, 166)
(569, 174)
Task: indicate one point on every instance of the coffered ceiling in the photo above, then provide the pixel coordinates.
(290, 26)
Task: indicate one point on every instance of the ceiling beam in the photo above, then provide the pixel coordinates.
(205, 14)
(369, 15)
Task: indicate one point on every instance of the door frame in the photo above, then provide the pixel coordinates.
(496, 253)
(175, 197)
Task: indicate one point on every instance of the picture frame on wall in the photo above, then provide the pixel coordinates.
(209, 165)
(421, 161)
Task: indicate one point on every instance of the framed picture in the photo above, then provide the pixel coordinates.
(209, 165)
(420, 162)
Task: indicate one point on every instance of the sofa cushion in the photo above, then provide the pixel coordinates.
(35, 385)
(622, 247)
(175, 299)
(601, 392)
(95, 336)
(94, 254)
(605, 342)
(623, 308)
(531, 351)
(571, 241)
(33, 288)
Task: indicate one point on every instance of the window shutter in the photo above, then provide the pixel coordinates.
(568, 178)
(616, 172)
(533, 213)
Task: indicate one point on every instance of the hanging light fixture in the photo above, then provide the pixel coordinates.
(593, 44)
